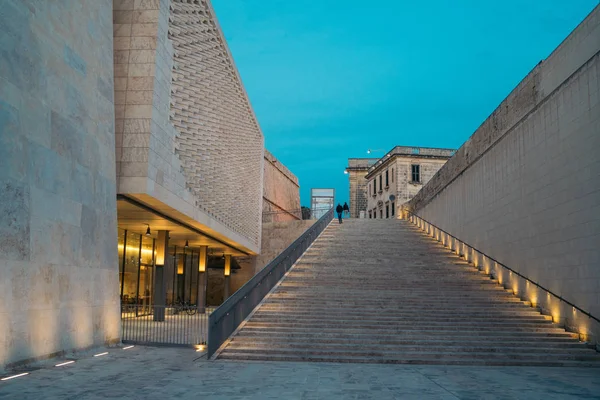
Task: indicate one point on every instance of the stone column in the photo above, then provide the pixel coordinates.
(227, 273)
(160, 289)
(202, 262)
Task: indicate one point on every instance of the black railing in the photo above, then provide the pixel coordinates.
(227, 317)
(177, 325)
(560, 298)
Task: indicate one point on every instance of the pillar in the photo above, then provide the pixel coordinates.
(160, 289)
(227, 273)
(202, 262)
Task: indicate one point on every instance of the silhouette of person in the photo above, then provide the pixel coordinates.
(346, 210)
(339, 209)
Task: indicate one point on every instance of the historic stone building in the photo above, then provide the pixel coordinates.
(357, 170)
(130, 157)
(398, 176)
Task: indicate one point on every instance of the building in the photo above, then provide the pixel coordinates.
(357, 170)
(321, 201)
(397, 177)
(131, 162)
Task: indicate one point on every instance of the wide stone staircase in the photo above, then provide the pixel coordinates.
(380, 291)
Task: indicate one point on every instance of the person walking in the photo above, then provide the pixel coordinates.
(339, 209)
(346, 210)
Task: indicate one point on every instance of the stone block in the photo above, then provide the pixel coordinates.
(141, 70)
(144, 30)
(145, 16)
(143, 43)
(139, 97)
(138, 111)
(122, 17)
(121, 30)
(146, 4)
(140, 83)
(119, 5)
(14, 220)
(122, 43)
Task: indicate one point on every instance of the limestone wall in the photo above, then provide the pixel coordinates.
(58, 235)
(525, 188)
(281, 192)
(188, 142)
(277, 236)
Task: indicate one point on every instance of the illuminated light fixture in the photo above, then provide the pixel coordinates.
(65, 363)
(148, 231)
(346, 171)
(574, 310)
(128, 347)
(223, 257)
(101, 354)
(14, 376)
(187, 244)
(200, 347)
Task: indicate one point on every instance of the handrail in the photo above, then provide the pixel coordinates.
(234, 310)
(508, 268)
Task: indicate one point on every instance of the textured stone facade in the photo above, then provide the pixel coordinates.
(524, 189)
(392, 175)
(281, 192)
(58, 234)
(188, 142)
(357, 170)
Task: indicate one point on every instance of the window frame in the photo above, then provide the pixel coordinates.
(415, 170)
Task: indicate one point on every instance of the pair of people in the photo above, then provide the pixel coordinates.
(342, 210)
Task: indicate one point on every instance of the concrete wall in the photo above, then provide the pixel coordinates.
(58, 235)
(525, 188)
(281, 192)
(188, 143)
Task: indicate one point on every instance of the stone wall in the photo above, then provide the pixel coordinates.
(58, 235)
(188, 142)
(281, 192)
(357, 170)
(525, 188)
(277, 236)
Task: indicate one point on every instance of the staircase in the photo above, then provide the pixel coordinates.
(380, 291)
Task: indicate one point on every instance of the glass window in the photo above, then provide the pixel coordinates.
(387, 210)
(393, 209)
(375, 186)
(132, 266)
(381, 213)
(380, 182)
(121, 245)
(416, 173)
(369, 214)
(392, 175)
(387, 178)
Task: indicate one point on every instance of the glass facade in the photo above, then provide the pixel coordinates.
(136, 265)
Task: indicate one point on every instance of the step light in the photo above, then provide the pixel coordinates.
(14, 376)
(64, 363)
(101, 354)
(128, 347)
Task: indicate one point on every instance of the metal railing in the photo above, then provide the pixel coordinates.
(180, 325)
(227, 317)
(560, 298)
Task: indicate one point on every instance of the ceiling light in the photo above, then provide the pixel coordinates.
(148, 231)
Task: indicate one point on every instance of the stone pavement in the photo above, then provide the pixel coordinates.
(176, 373)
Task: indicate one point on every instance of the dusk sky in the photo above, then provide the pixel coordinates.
(329, 79)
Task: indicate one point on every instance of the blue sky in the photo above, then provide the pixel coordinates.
(329, 79)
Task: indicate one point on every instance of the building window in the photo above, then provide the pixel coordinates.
(416, 173)
(387, 178)
(375, 214)
(381, 213)
(375, 186)
(392, 175)
(380, 182)
(387, 210)
(393, 209)
(369, 188)
(369, 214)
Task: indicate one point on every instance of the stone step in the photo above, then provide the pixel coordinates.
(432, 359)
(547, 343)
(358, 314)
(399, 329)
(340, 305)
(408, 335)
(391, 351)
(344, 319)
